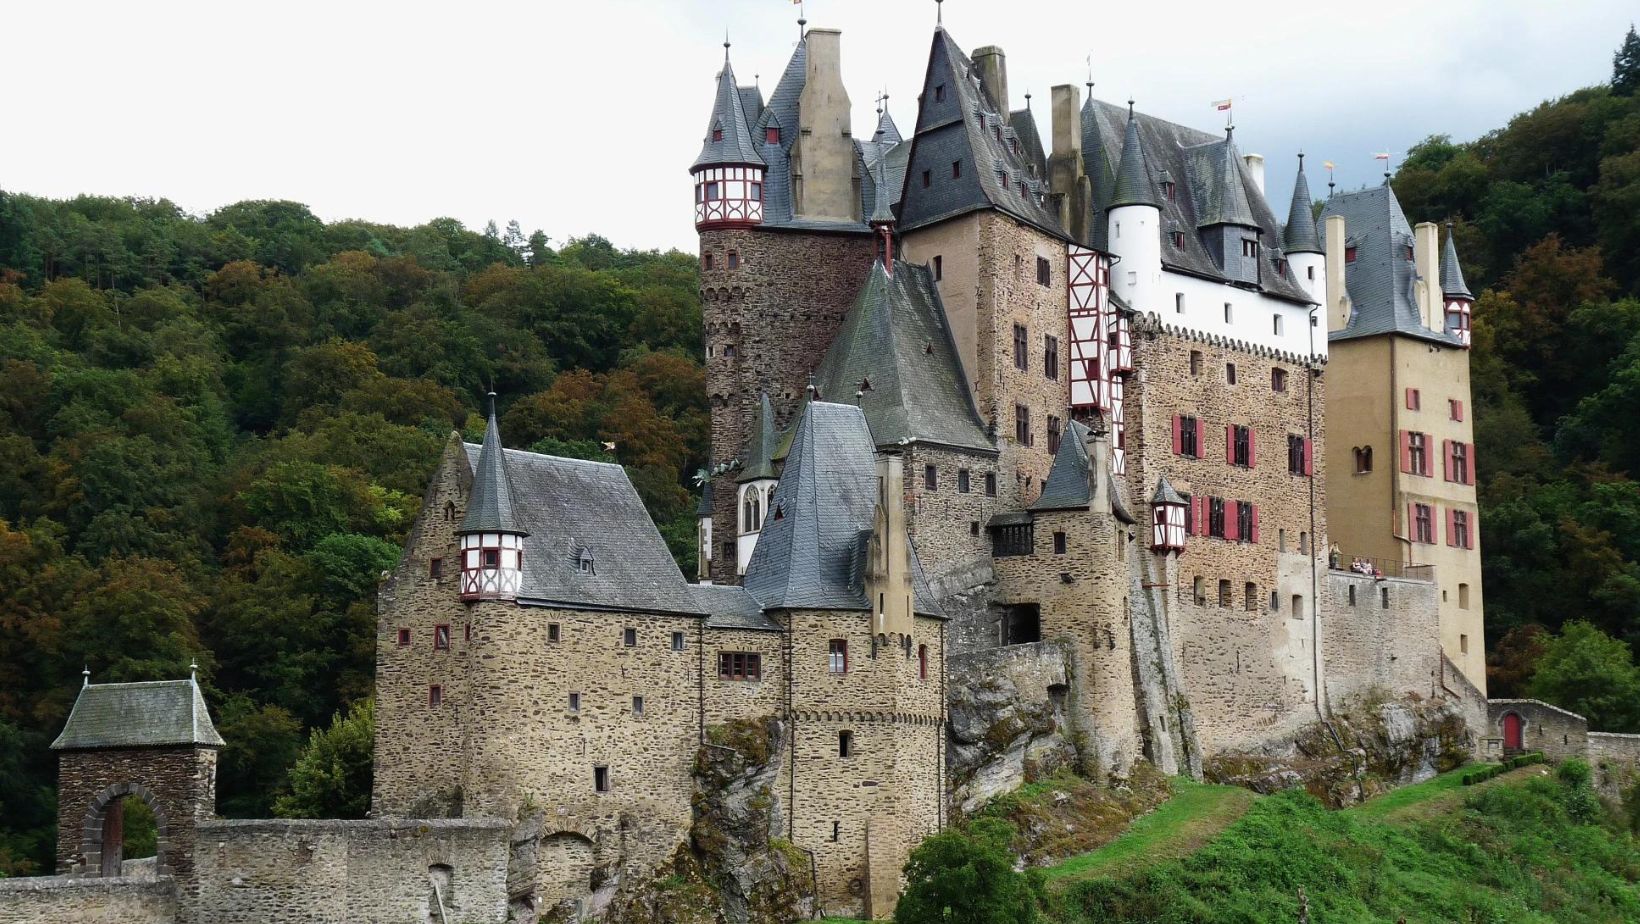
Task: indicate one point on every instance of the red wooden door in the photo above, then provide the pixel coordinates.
(1512, 732)
(113, 838)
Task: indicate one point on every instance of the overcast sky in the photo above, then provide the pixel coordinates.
(582, 117)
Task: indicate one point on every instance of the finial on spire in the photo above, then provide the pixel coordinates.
(491, 396)
(193, 670)
(939, 14)
(1090, 75)
(725, 44)
(811, 389)
(85, 678)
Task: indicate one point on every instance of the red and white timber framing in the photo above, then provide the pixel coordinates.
(1457, 319)
(1101, 345)
(728, 196)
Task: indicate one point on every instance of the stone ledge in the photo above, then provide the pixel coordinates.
(132, 884)
(346, 825)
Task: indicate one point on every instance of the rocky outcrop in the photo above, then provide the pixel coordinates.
(1066, 815)
(735, 869)
(1368, 747)
(1008, 722)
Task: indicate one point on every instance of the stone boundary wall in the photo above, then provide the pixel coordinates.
(1379, 634)
(1557, 732)
(74, 900)
(1616, 762)
(352, 872)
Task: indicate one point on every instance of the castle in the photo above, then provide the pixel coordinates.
(986, 399)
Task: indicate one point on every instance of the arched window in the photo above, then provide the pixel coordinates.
(751, 511)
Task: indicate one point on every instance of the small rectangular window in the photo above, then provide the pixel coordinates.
(1059, 543)
(927, 178)
(1414, 399)
(771, 135)
(1241, 446)
(1189, 437)
(1278, 379)
(837, 655)
(1298, 606)
(1249, 597)
(1021, 355)
(1383, 597)
(552, 632)
(1229, 313)
(1195, 362)
(1050, 358)
(1463, 596)
(1215, 517)
(939, 268)
(435, 568)
(435, 695)
(1423, 523)
(931, 478)
(1177, 239)
(939, 93)
(1022, 425)
(1053, 433)
(845, 744)
(1352, 594)
(677, 641)
(629, 637)
(1276, 325)
(441, 638)
(637, 705)
(734, 259)
(1230, 373)
(1044, 271)
(990, 484)
(1225, 599)
(600, 779)
(1349, 254)
(1454, 409)
(575, 702)
(962, 481)
(740, 665)
(404, 638)
(956, 169)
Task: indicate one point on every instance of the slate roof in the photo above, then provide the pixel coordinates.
(1067, 486)
(809, 553)
(1221, 196)
(1174, 148)
(887, 132)
(736, 145)
(571, 506)
(1380, 281)
(895, 338)
(1132, 178)
(1023, 123)
(490, 507)
(959, 124)
(1451, 272)
(134, 715)
(758, 461)
(1300, 235)
(728, 606)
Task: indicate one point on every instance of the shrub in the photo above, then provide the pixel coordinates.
(967, 877)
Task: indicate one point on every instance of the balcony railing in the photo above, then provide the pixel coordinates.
(1380, 567)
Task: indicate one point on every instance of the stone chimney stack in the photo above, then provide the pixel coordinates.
(888, 584)
(1098, 445)
(992, 65)
(1255, 167)
(823, 158)
(1066, 171)
(1426, 255)
(1338, 299)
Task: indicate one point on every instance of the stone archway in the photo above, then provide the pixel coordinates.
(102, 831)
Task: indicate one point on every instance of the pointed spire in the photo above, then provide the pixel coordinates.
(85, 677)
(490, 507)
(1452, 283)
(1227, 200)
(728, 136)
(881, 212)
(1132, 177)
(1300, 234)
(1165, 494)
(762, 444)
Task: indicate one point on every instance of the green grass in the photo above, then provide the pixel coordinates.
(1427, 799)
(1503, 852)
(1196, 813)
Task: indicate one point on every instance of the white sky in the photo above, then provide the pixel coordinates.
(584, 117)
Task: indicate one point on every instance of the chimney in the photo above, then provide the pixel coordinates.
(1255, 166)
(888, 581)
(992, 65)
(1426, 255)
(1098, 444)
(1337, 304)
(1065, 167)
(823, 158)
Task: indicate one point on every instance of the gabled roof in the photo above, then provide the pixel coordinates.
(1216, 184)
(758, 462)
(1023, 122)
(1380, 280)
(1170, 147)
(572, 507)
(490, 506)
(809, 553)
(1451, 273)
(1299, 235)
(955, 122)
(734, 145)
(1067, 487)
(135, 715)
(896, 350)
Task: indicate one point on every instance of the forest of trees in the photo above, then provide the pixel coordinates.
(214, 432)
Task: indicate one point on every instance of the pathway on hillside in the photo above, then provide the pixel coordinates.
(1196, 814)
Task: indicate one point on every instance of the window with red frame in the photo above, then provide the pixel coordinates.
(740, 665)
(435, 695)
(404, 638)
(771, 135)
(441, 638)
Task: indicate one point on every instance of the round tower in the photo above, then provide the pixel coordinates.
(1135, 226)
(1305, 256)
(729, 171)
(492, 533)
(1459, 300)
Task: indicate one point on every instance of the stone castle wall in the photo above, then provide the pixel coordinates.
(73, 900)
(353, 872)
(1616, 762)
(178, 783)
(1557, 732)
(729, 700)
(420, 748)
(946, 523)
(1380, 635)
(769, 321)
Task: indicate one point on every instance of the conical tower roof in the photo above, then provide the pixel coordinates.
(490, 508)
(761, 445)
(728, 136)
(887, 131)
(1132, 176)
(1451, 273)
(1300, 234)
(1165, 493)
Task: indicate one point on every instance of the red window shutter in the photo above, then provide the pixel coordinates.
(1429, 443)
(1474, 526)
(1230, 444)
(1469, 469)
(1412, 399)
(1178, 443)
(1406, 453)
(1200, 503)
(1457, 410)
(1252, 456)
(1232, 520)
(1451, 527)
(1446, 460)
(1309, 456)
(1201, 438)
(1412, 522)
(1254, 537)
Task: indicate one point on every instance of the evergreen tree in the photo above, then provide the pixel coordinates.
(1626, 65)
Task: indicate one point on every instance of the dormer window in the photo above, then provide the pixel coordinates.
(1349, 254)
(717, 134)
(1408, 251)
(939, 93)
(771, 135)
(1178, 239)
(1249, 247)
(1170, 189)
